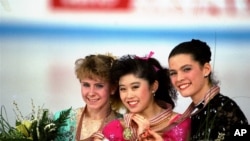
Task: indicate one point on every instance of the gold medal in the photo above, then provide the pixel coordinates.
(127, 133)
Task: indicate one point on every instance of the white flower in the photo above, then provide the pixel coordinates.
(50, 127)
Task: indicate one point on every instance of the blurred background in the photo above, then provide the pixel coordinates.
(41, 39)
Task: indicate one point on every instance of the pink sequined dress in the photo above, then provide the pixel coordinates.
(113, 131)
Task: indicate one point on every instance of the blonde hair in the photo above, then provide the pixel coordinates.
(94, 66)
(97, 67)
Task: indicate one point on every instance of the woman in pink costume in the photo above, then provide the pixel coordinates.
(146, 91)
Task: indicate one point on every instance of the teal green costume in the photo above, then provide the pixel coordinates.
(68, 132)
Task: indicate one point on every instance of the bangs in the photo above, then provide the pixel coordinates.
(86, 73)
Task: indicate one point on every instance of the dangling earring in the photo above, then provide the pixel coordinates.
(153, 92)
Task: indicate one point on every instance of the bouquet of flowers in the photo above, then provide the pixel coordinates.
(38, 126)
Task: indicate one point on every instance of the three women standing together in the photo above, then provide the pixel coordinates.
(148, 93)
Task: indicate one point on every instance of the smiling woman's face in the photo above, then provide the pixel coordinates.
(135, 93)
(95, 93)
(187, 76)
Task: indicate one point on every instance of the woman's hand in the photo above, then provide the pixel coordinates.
(150, 136)
(142, 123)
(97, 139)
(154, 136)
(143, 132)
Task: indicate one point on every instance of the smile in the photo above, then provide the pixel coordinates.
(132, 103)
(184, 86)
(92, 100)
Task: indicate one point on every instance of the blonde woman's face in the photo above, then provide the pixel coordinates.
(187, 76)
(95, 93)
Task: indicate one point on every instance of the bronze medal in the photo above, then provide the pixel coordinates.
(127, 133)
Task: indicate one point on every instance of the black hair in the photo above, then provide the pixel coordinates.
(199, 51)
(148, 69)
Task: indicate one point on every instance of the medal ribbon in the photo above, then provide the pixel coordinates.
(129, 132)
(212, 92)
(155, 123)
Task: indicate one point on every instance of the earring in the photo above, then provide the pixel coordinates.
(153, 92)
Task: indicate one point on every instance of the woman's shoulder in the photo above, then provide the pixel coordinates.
(178, 130)
(222, 100)
(174, 116)
(226, 110)
(74, 112)
(224, 103)
(177, 116)
(68, 131)
(112, 125)
(113, 130)
(114, 122)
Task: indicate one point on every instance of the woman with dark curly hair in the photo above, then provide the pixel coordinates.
(146, 91)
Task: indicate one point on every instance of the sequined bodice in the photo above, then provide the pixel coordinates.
(214, 121)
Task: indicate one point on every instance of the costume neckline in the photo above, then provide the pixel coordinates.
(79, 126)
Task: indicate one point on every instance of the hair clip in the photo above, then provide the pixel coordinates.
(151, 53)
(156, 69)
